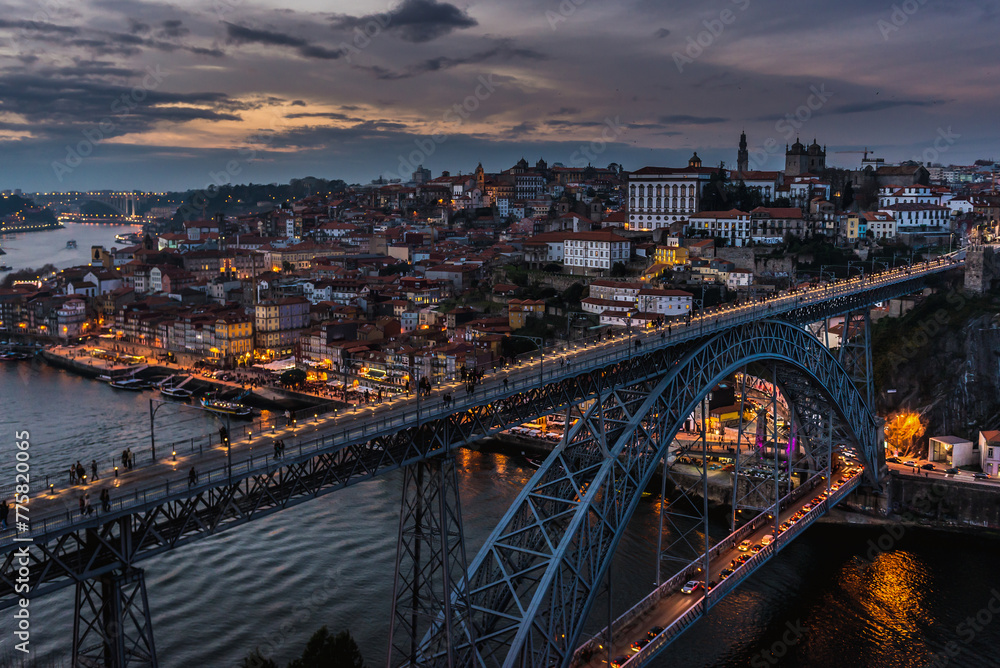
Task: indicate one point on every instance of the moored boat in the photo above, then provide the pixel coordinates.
(132, 384)
(227, 407)
(176, 393)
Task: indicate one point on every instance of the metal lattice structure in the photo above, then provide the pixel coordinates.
(533, 583)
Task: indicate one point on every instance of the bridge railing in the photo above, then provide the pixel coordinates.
(668, 634)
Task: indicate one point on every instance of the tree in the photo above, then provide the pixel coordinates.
(286, 266)
(398, 268)
(903, 430)
(618, 270)
(552, 268)
(256, 660)
(847, 196)
(293, 377)
(327, 651)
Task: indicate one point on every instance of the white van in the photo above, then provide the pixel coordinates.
(767, 540)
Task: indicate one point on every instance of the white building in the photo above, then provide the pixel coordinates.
(733, 225)
(616, 290)
(672, 303)
(739, 278)
(595, 251)
(915, 194)
(951, 450)
(923, 217)
(989, 452)
(659, 196)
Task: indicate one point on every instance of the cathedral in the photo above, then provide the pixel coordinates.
(801, 160)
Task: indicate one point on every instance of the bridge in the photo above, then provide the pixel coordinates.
(527, 594)
(126, 204)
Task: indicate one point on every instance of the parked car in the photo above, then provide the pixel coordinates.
(928, 467)
(980, 476)
(952, 471)
(910, 463)
(893, 460)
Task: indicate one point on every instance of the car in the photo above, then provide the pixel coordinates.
(691, 586)
(767, 540)
(784, 527)
(639, 644)
(980, 476)
(756, 548)
(928, 467)
(910, 463)
(712, 584)
(726, 572)
(893, 460)
(654, 631)
(807, 506)
(952, 471)
(745, 545)
(618, 661)
(742, 559)
(798, 516)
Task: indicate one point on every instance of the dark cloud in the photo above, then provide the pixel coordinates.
(882, 105)
(39, 27)
(331, 115)
(504, 50)
(172, 28)
(524, 128)
(138, 27)
(298, 103)
(242, 35)
(414, 20)
(661, 33)
(684, 119)
(565, 111)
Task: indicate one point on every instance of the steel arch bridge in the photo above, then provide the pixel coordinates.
(626, 401)
(534, 581)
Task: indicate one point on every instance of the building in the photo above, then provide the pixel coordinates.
(989, 452)
(591, 252)
(952, 450)
(519, 310)
(911, 217)
(671, 303)
(233, 337)
(279, 323)
(802, 160)
(671, 255)
(732, 225)
(660, 196)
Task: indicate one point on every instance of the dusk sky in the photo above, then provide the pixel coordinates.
(133, 94)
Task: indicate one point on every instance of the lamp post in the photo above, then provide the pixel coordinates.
(541, 353)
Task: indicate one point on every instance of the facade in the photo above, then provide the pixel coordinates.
(234, 337)
(951, 450)
(733, 225)
(989, 452)
(279, 323)
(671, 255)
(802, 160)
(595, 251)
(919, 217)
(519, 310)
(660, 196)
(671, 303)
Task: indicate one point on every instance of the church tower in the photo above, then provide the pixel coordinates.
(481, 178)
(743, 156)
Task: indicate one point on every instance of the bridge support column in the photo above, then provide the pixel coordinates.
(111, 623)
(430, 565)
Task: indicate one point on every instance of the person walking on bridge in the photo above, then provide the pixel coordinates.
(93, 468)
(192, 477)
(4, 514)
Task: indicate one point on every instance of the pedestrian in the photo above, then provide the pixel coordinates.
(192, 477)
(93, 468)
(72, 474)
(4, 514)
(105, 500)
(505, 384)
(81, 473)
(83, 506)
(88, 509)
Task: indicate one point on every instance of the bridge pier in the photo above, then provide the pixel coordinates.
(430, 566)
(111, 622)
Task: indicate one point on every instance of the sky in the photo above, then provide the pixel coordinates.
(148, 95)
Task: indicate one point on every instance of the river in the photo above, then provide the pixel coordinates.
(330, 561)
(36, 249)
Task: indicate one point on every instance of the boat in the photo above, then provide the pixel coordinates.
(227, 407)
(4, 267)
(533, 462)
(71, 243)
(14, 357)
(132, 384)
(128, 238)
(176, 393)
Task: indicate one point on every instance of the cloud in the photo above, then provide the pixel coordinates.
(414, 20)
(882, 105)
(172, 28)
(331, 115)
(137, 27)
(684, 119)
(503, 50)
(661, 33)
(298, 103)
(242, 35)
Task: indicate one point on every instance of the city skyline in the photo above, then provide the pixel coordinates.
(127, 94)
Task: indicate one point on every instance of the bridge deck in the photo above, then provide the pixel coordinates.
(666, 607)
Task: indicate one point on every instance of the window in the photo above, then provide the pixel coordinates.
(990, 453)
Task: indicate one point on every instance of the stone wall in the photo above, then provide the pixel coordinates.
(947, 501)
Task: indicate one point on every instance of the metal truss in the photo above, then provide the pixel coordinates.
(430, 562)
(111, 624)
(534, 581)
(856, 352)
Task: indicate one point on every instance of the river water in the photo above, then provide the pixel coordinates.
(36, 249)
(820, 602)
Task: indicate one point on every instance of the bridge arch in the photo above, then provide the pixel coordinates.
(533, 583)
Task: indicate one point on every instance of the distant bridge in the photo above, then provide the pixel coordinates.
(126, 204)
(527, 595)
